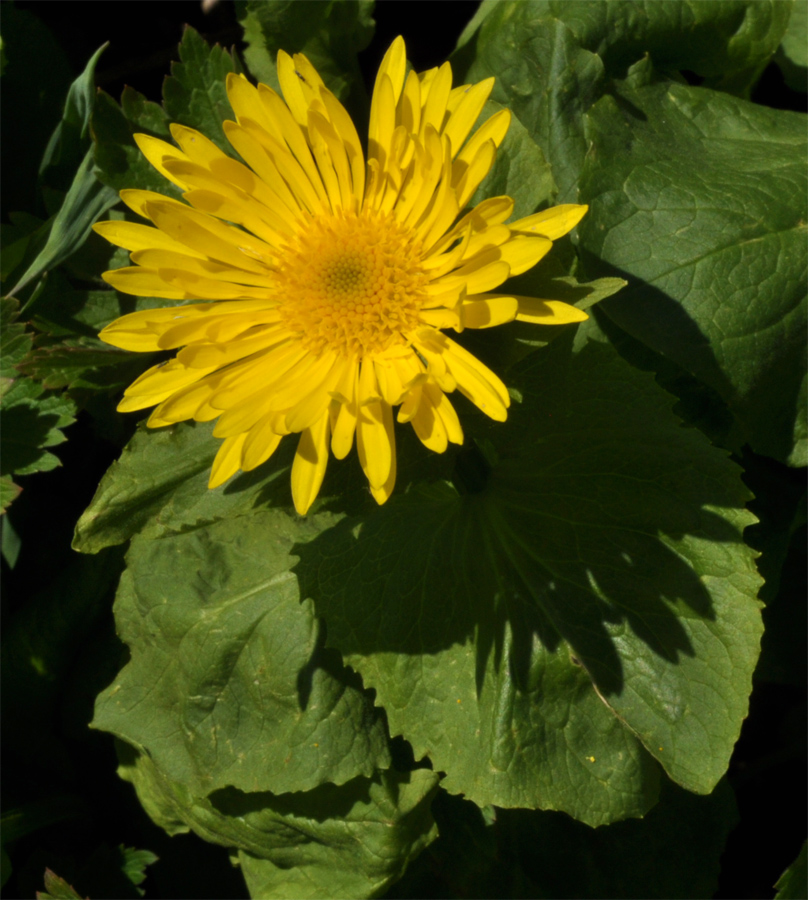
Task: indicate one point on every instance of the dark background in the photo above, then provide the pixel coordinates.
(768, 771)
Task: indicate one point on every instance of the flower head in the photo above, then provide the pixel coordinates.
(320, 285)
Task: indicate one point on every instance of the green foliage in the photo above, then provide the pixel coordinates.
(226, 660)
(531, 666)
(337, 841)
(722, 293)
(87, 199)
(195, 93)
(793, 883)
(31, 418)
(330, 34)
(57, 888)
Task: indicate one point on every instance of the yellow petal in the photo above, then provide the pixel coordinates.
(346, 129)
(493, 129)
(217, 240)
(382, 120)
(157, 384)
(548, 312)
(382, 493)
(243, 137)
(294, 136)
(134, 236)
(182, 404)
(522, 253)
(486, 312)
(207, 268)
(143, 283)
(204, 355)
(308, 468)
(485, 271)
(315, 397)
(446, 411)
(156, 152)
(375, 441)
(409, 408)
(473, 174)
(428, 425)
(345, 425)
(243, 98)
(261, 442)
(200, 287)
(434, 110)
(462, 119)
(394, 66)
(196, 146)
(292, 88)
(409, 114)
(441, 318)
(552, 223)
(227, 461)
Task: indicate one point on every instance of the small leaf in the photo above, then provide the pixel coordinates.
(135, 864)
(57, 888)
(793, 883)
(8, 493)
(195, 93)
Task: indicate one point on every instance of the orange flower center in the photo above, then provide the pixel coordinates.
(352, 283)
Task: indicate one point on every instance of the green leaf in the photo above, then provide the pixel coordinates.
(31, 419)
(15, 341)
(70, 138)
(330, 34)
(8, 493)
(792, 56)
(594, 591)
(544, 77)
(159, 485)
(195, 94)
(57, 888)
(728, 44)
(84, 363)
(228, 683)
(86, 201)
(673, 852)
(68, 159)
(351, 840)
(701, 199)
(793, 883)
(135, 864)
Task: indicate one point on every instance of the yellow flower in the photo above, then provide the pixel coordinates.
(321, 285)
